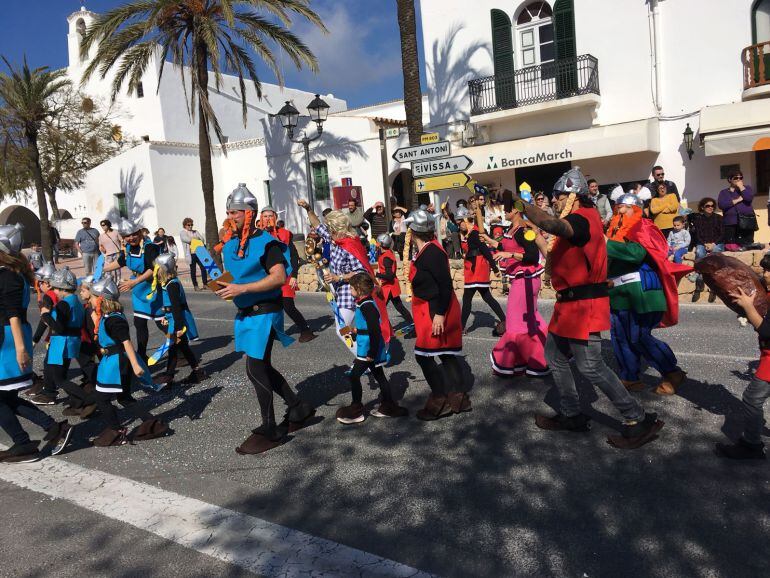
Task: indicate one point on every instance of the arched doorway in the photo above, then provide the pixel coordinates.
(18, 214)
(402, 189)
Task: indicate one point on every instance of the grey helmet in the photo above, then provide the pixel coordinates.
(11, 238)
(45, 272)
(268, 208)
(629, 199)
(462, 213)
(87, 281)
(64, 279)
(106, 287)
(572, 181)
(126, 228)
(385, 241)
(421, 221)
(166, 261)
(242, 199)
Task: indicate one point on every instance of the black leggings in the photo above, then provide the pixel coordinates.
(103, 400)
(291, 310)
(359, 367)
(441, 383)
(267, 380)
(143, 336)
(11, 407)
(88, 361)
(173, 355)
(401, 308)
(487, 296)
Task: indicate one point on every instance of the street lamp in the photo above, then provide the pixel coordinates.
(318, 111)
(687, 141)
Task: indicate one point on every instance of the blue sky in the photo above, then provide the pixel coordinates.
(360, 59)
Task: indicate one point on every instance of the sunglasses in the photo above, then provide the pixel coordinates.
(660, 174)
(708, 206)
(738, 178)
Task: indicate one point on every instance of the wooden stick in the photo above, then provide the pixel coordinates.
(406, 263)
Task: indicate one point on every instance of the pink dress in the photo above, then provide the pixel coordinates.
(521, 349)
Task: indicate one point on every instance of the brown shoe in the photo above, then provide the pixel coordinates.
(436, 407)
(150, 429)
(72, 411)
(635, 385)
(499, 330)
(389, 409)
(670, 382)
(459, 402)
(34, 389)
(306, 336)
(111, 437)
(635, 435)
(257, 443)
(353, 413)
(196, 376)
(164, 381)
(87, 411)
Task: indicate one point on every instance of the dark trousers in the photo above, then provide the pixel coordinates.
(88, 361)
(359, 368)
(54, 376)
(103, 400)
(195, 262)
(290, 307)
(401, 308)
(632, 340)
(398, 243)
(11, 407)
(173, 355)
(143, 336)
(267, 381)
(735, 235)
(488, 298)
(442, 379)
(753, 410)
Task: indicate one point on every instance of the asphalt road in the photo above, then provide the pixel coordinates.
(482, 494)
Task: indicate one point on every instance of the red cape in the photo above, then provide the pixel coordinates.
(650, 237)
(355, 248)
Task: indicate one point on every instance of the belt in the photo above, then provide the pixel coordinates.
(111, 350)
(260, 309)
(362, 332)
(70, 332)
(582, 292)
(625, 279)
(170, 309)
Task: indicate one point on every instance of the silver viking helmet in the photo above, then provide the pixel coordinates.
(385, 241)
(268, 208)
(572, 181)
(45, 272)
(11, 238)
(106, 287)
(127, 228)
(87, 281)
(166, 261)
(64, 279)
(629, 199)
(421, 221)
(462, 213)
(242, 199)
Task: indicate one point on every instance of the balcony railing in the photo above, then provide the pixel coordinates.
(756, 65)
(535, 84)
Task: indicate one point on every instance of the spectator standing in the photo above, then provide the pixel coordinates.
(110, 246)
(161, 240)
(659, 177)
(55, 238)
(663, 208)
(678, 240)
(543, 203)
(398, 229)
(601, 202)
(377, 219)
(172, 248)
(186, 235)
(739, 219)
(87, 242)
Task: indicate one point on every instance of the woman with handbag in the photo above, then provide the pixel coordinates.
(110, 246)
(740, 221)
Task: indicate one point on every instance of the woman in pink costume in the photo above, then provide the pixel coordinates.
(520, 349)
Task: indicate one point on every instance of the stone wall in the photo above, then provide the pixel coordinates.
(308, 281)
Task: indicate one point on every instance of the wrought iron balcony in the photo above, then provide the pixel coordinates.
(756, 65)
(535, 84)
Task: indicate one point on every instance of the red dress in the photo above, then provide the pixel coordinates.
(285, 237)
(575, 266)
(450, 342)
(476, 268)
(390, 289)
(763, 371)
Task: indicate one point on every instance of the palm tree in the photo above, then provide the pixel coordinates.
(196, 35)
(27, 97)
(410, 65)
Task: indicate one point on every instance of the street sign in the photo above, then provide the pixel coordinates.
(441, 166)
(429, 138)
(453, 181)
(421, 152)
(392, 132)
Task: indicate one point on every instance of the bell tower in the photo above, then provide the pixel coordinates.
(78, 23)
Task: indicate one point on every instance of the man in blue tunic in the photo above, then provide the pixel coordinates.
(259, 264)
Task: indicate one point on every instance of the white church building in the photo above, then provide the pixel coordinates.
(524, 88)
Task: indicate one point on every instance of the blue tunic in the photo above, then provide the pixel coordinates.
(143, 307)
(252, 332)
(11, 375)
(189, 320)
(108, 374)
(63, 347)
(362, 336)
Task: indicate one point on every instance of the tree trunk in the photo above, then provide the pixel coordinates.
(204, 152)
(42, 206)
(55, 214)
(410, 65)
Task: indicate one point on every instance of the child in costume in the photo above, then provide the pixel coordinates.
(386, 273)
(113, 377)
(46, 300)
(371, 354)
(16, 357)
(179, 320)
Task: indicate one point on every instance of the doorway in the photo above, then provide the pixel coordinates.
(762, 161)
(541, 177)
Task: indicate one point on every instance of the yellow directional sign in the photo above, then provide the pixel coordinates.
(452, 181)
(429, 138)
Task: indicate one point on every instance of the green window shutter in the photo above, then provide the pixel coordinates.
(502, 53)
(566, 49)
(321, 180)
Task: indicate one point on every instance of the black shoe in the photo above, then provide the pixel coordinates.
(58, 437)
(712, 297)
(695, 296)
(499, 330)
(635, 435)
(21, 453)
(743, 450)
(42, 399)
(576, 423)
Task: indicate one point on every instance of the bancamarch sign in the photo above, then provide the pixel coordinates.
(540, 158)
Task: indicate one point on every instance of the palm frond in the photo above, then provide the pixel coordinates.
(280, 8)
